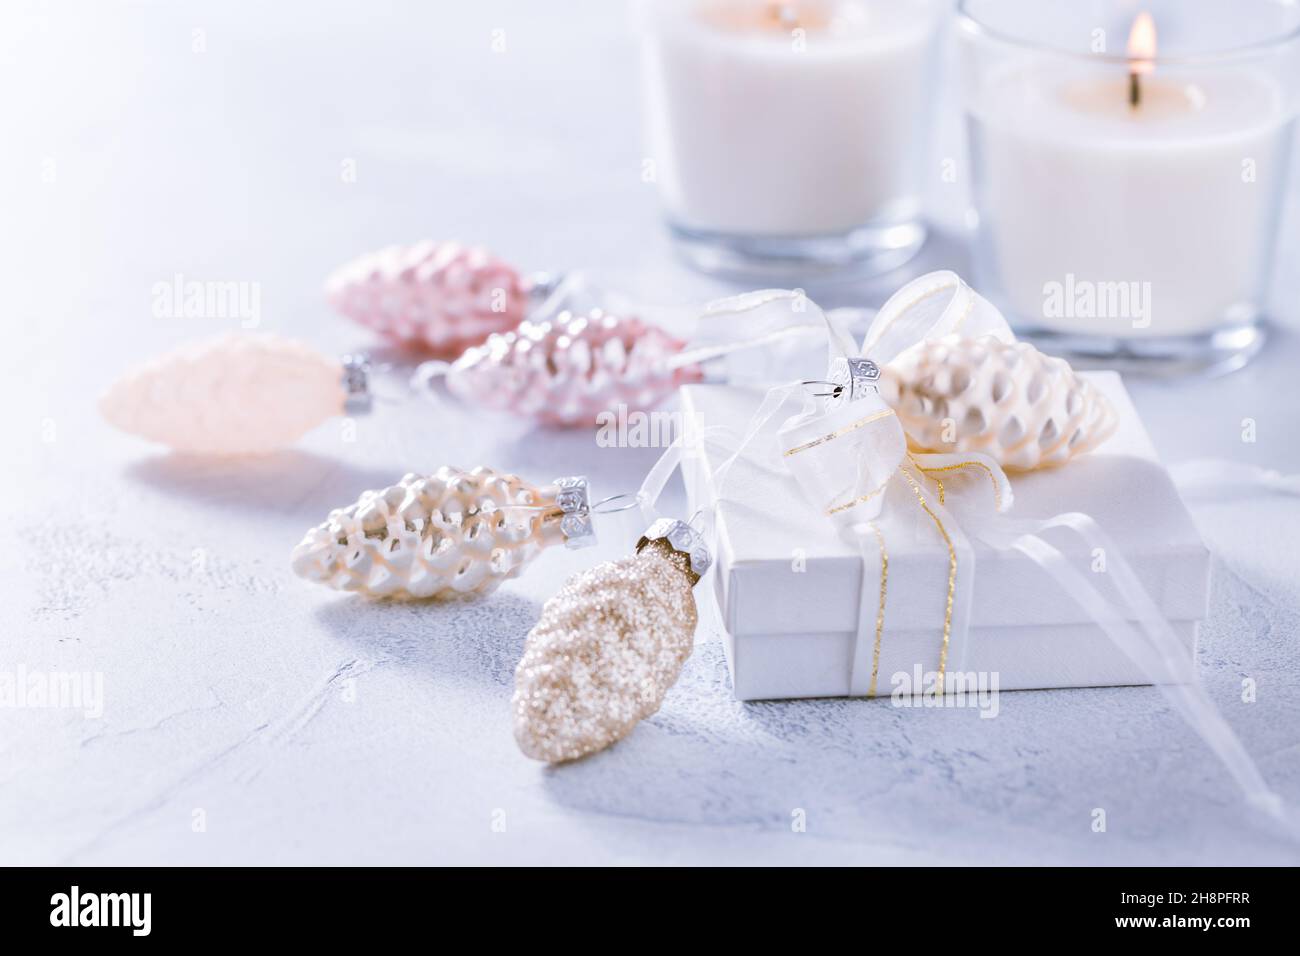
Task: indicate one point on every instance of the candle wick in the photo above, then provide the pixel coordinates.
(1134, 90)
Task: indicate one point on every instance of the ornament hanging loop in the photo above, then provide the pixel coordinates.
(542, 287)
(425, 374)
(835, 389)
(606, 506)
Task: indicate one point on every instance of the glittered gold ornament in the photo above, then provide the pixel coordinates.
(453, 532)
(608, 647)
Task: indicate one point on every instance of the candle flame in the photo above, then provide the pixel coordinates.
(1142, 44)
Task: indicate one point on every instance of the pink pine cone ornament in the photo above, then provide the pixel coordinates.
(567, 370)
(439, 296)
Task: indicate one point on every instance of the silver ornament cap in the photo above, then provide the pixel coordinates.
(853, 378)
(357, 398)
(683, 539)
(573, 498)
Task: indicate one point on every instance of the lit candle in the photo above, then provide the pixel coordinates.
(1126, 214)
(1141, 50)
(787, 121)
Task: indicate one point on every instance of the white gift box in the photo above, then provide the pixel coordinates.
(788, 585)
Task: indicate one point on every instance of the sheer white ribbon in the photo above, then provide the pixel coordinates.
(1213, 476)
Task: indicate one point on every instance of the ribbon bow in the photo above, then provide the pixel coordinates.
(845, 454)
(849, 454)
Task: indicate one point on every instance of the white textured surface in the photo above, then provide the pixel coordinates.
(227, 680)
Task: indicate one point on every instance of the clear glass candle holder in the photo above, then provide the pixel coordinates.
(787, 139)
(1128, 164)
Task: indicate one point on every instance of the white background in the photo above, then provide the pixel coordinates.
(226, 678)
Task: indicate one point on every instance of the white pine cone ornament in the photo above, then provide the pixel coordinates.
(439, 296)
(233, 395)
(608, 647)
(1007, 400)
(567, 370)
(454, 532)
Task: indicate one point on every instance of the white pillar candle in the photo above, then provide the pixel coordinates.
(788, 119)
(1101, 217)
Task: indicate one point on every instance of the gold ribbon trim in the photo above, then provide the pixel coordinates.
(836, 509)
(880, 614)
(952, 574)
(997, 491)
(840, 432)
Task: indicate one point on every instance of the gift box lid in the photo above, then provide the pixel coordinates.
(782, 567)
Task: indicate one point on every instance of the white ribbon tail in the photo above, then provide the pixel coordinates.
(1151, 644)
(1218, 477)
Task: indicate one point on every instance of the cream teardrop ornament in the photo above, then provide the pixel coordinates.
(233, 395)
(453, 532)
(1007, 400)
